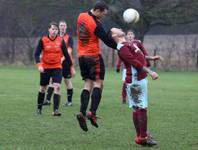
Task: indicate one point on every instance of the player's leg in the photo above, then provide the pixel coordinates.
(56, 78)
(85, 65)
(97, 75)
(69, 87)
(124, 94)
(134, 107)
(44, 81)
(66, 72)
(140, 98)
(50, 90)
(84, 101)
(95, 101)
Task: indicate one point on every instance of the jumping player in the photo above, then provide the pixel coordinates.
(89, 31)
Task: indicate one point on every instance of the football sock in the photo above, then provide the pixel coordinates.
(142, 120)
(124, 92)
(50, 91)
(95, 99)
(56, 101)
(84, 98)
(69, 95)
(135, 122)
(40, 99)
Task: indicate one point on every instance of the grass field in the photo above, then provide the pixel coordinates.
(173, 119)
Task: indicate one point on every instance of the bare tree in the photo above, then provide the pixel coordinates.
(154, 12)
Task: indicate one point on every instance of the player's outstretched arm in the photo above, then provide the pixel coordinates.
(153, 74)
(156, 57)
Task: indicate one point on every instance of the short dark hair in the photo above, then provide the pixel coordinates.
(130, 30)
(62, 21)
(101, 5)
(52, 23)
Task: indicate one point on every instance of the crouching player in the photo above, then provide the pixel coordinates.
(135, 63)
(51, 47)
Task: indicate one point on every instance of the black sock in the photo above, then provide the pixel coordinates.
(56, 101)
(50, 91)
(95, 99)
(40, 99)
(84, 98)
(69, 95)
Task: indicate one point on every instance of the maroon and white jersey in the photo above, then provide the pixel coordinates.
(132, 55)
(143, 49)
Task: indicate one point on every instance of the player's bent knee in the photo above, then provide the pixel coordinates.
(56, 87)
(98, 84)
(42, 89)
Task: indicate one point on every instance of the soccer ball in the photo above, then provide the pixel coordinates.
(131, 15)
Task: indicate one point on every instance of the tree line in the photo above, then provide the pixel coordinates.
(28, 19)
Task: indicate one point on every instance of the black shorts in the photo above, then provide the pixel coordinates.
(92, 67)
(66, 72)
(55, 74)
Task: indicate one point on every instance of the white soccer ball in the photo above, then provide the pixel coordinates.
(131, 15)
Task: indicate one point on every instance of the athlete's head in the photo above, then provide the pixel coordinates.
(62, 27)
(130, 35)
(100, 9)
(117, 34)
(53, 29)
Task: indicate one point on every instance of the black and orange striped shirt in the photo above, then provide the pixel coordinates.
(52, 51)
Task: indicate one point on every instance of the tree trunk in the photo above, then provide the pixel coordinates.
(12, 54)
(113, 59)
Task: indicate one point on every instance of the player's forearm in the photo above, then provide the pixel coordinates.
(70, 55)
(147, 70)
(100, 32)
(153, 74)
(156, 57)
(37, 57)
(149, 57)
(119, 62)
(38, 52)
(66, 54)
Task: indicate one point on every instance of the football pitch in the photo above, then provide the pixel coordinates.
(173, 114)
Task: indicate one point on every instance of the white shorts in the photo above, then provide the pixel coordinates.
(137, 92)
(123, 74)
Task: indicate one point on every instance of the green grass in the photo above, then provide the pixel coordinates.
(173, 119)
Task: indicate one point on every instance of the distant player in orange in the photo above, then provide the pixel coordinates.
(66, 69)
(52, 47)
(89, 31)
